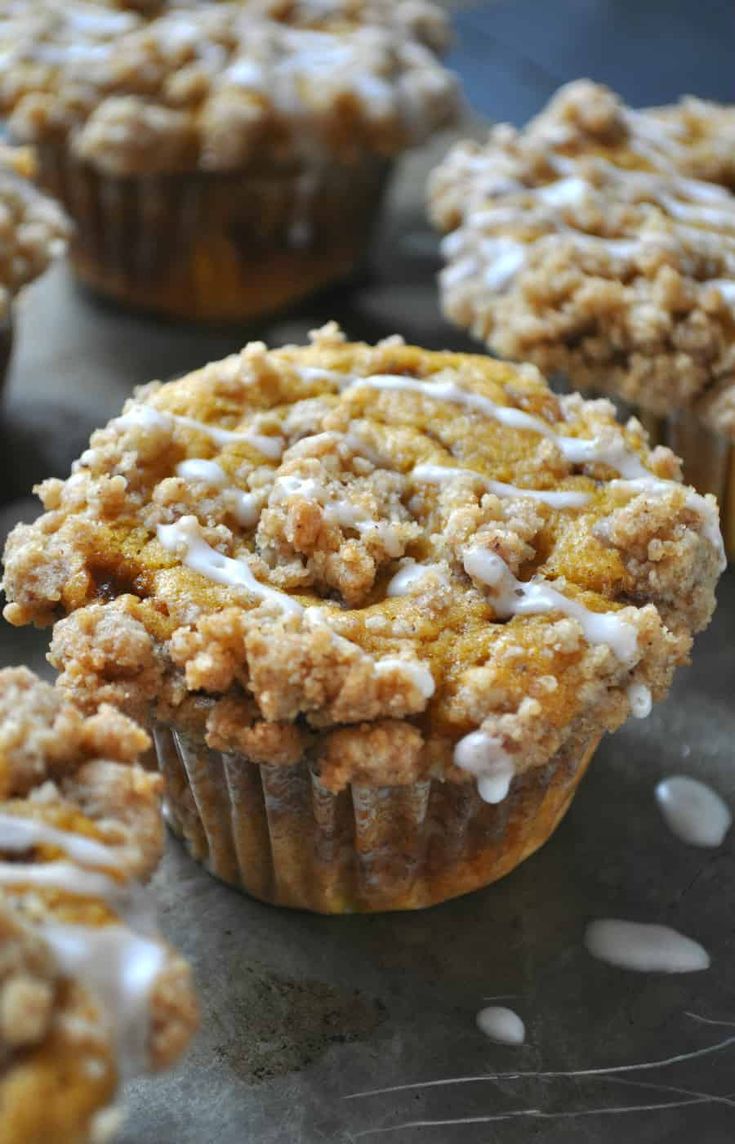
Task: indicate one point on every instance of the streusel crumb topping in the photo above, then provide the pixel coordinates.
(88, 994)
(584, 243)
(285, 547)
(142, 88)
(33, 228)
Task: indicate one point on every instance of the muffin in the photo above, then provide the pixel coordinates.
(590, 244)
(222, 159)
(377, 606)
(33, 231)
(89, 995)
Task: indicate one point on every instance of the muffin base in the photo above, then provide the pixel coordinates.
(224, 247)
(277, 833)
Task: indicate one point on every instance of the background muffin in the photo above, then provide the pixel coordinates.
(378, 606)
(220, 160)
(33, 231)
(89, 996)
(590, 244)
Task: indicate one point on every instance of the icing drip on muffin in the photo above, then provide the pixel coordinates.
(439, 542)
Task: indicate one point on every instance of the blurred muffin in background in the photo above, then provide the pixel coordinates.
(221, 159)
(592, 244)
(33, 231)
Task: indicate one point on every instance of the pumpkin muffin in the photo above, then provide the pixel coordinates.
(591, 244)
(33, 231)
(376, 604)
(89, 996)
(221, 159)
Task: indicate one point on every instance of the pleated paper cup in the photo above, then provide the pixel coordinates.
(279, 834)
(225, 247)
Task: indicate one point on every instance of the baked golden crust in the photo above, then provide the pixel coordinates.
(298, 552)
(223, 85)
(80, 825)
(590, 244)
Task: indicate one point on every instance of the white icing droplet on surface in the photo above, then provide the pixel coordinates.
(484, 756)
(693, 811)
(512, 597)
(501, 1025)
(645, 948)
(196, 469)
(640, 700)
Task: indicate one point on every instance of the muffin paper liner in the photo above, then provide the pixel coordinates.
(215, 246)
(279, 834)
(708, 457)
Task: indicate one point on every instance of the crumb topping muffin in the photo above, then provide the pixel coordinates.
(589, 244)
(33, 228)
(298, 552)
(88, 995)
(221, 160)
(216, 86)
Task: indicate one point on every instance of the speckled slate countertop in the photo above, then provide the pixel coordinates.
(300, 1012)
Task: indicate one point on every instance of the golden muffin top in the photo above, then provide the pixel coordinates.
(284, 546)
(223, 85)
(88, 994)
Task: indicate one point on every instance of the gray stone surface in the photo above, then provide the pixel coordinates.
(300, 1012)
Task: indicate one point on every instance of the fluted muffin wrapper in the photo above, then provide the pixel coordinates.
(279, 834)
(215, 246)
(708, 457)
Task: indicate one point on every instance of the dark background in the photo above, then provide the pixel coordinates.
(513, 54)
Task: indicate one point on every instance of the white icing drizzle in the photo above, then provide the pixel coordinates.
(440, 474)
(184, 538)
(501, 1025)
(612, 450)
(640, 700)
(119, 967)
(59, 876)
(19, 834)
(338, 510)
(411, 576)
(645, 948)
(484, 756)
(415, 672)
(513, 597)
(148, 417)
(245, 506)
(693, 811)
